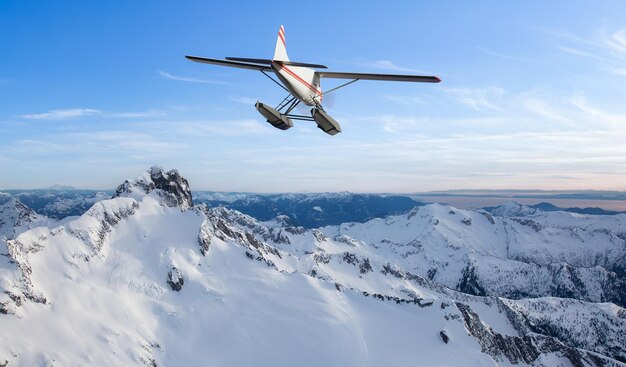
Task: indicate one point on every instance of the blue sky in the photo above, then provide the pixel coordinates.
(533, 95)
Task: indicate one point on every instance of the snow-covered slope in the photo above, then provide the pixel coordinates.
(146, 278)
(15, 217)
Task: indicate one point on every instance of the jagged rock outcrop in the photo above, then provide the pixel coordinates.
(525, 349)
(170, 186)
(595, 327)
(175, 279)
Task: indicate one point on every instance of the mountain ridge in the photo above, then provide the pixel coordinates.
(167, 279)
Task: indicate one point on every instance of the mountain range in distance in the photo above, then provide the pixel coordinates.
(312, 210)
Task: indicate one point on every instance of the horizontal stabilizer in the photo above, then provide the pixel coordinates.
(234, 64)
(307, 65)
(269, 62)
(391, 77)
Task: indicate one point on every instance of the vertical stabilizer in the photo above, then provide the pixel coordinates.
(280, 52)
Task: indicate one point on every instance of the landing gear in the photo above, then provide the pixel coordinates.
(324, 122)
(281, 116)
(274, 117)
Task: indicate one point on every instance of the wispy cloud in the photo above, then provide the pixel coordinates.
(494, 109)
(504, 56)
(72, 113)
(405, 100)
(244, 100)
(220, 128)
(607, 47)
(187, 79)
(482, 99)
(386, 65)
(142, 114)
(597, 115)
(62, 114)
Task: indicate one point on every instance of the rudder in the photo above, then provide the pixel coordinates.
(280, 52)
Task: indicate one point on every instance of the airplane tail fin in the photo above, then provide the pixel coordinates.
(280, 52)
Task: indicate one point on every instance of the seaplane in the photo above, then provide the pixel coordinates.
(302, 83)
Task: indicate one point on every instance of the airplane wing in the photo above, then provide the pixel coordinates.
(235, 64)
(390, 77)
(269, 62)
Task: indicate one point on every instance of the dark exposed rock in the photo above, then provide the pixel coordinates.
(276, 235)
(204, 237)
(365, 266)
(444, 336)
(431, 273)
(319, 236)
(295, 230)
(528, 222)
(467, 221)
(175, 279)
(321, 258)
(350, 258)
(388, 269)
(171, 187)
(469, 282)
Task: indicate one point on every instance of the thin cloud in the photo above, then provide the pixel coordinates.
(244, 100)
(608, 48)
(148, 113)
(405, 100)
(222, 128)
(187, 79)
(387, 65)
(481, 99)
(62, 114)
(504, 56)
(72, 113)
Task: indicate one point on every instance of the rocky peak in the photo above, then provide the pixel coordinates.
(170, 186)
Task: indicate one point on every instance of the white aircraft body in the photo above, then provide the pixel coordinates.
(302, 82)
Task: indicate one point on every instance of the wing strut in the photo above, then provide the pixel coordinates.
(341, 86)
(275, 81)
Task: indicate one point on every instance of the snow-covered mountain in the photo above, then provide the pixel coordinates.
(312, 210)
(15, 217)
(148, 278)
(516, 209)
(60, 202)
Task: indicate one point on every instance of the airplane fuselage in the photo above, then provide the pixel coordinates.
(302, 82)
